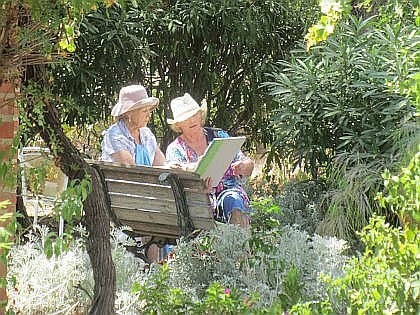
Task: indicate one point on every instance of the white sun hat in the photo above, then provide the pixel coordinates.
(133, 97)
(184, 107)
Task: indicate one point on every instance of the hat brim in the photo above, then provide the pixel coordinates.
(202, 108)
(150, 101)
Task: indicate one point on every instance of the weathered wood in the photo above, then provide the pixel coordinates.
(156, 190)
(160, 230)
(147, 216)
(139, 200)
(154, 204)
(147, 174)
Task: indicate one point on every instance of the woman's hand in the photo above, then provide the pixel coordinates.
(243, 167)
(188, 167)
(208, 185)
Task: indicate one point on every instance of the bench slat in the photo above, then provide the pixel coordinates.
(147, 174)
(145, 189)
(143, 169)
(151, 217)
(155, 204)
(147, 229)
(120, 174)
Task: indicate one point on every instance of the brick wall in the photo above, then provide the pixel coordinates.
(8, 128)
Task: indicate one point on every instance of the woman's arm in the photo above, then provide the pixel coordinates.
(243, 167)
(123, 157)
(159, 157)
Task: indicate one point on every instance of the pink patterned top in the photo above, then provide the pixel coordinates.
(180, 152)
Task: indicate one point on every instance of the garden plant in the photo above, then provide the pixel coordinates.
(335, 221)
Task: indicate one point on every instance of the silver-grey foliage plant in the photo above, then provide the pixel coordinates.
(63, 284)
(226, 256)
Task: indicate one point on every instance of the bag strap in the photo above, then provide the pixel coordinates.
(211, 133)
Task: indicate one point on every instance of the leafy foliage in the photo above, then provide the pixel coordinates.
(274, 266)
(110, 53)
(159, 298)
(386, 277)
(301, 205)
(217, 50)
(38, 31)
(7, 232)
(336, 100)
(70, 203)
(332, 12)
(297, 204)
(347, 110)
(402, 192)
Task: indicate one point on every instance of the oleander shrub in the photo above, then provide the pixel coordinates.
(344, 95)
(347, 111)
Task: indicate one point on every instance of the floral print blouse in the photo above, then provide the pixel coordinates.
(180, 152)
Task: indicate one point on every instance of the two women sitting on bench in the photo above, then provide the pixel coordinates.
(129, 141)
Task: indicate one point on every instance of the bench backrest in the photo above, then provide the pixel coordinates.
(141, 201)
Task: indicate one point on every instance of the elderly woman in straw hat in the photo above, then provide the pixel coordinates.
(229, 200)
(128, 140)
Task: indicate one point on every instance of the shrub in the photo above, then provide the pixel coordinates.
(157, 297)
(276, 266)
(386, 278)
(301, 205)
(347, 110)
(63, 283)
(343, 96)
(298, 204)
(40, 284)
(402, 192)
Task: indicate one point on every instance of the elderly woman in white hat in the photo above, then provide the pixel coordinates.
(128, 140)
(229, 200)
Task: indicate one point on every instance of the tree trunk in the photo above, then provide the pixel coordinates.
(99, 247)
(96, 208)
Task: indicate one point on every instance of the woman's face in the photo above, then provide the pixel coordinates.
(140, 117)
(191, 125)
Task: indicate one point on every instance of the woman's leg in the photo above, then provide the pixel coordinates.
(153, 252)
(240, 218)
(232, 207)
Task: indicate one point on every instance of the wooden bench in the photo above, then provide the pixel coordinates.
(155, 201)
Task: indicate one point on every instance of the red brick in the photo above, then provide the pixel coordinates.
(8, 129)
(6, 118)
(7, 108)
(7, 87)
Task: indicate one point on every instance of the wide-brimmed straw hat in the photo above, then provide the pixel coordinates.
(184, 107)
(133, 97)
